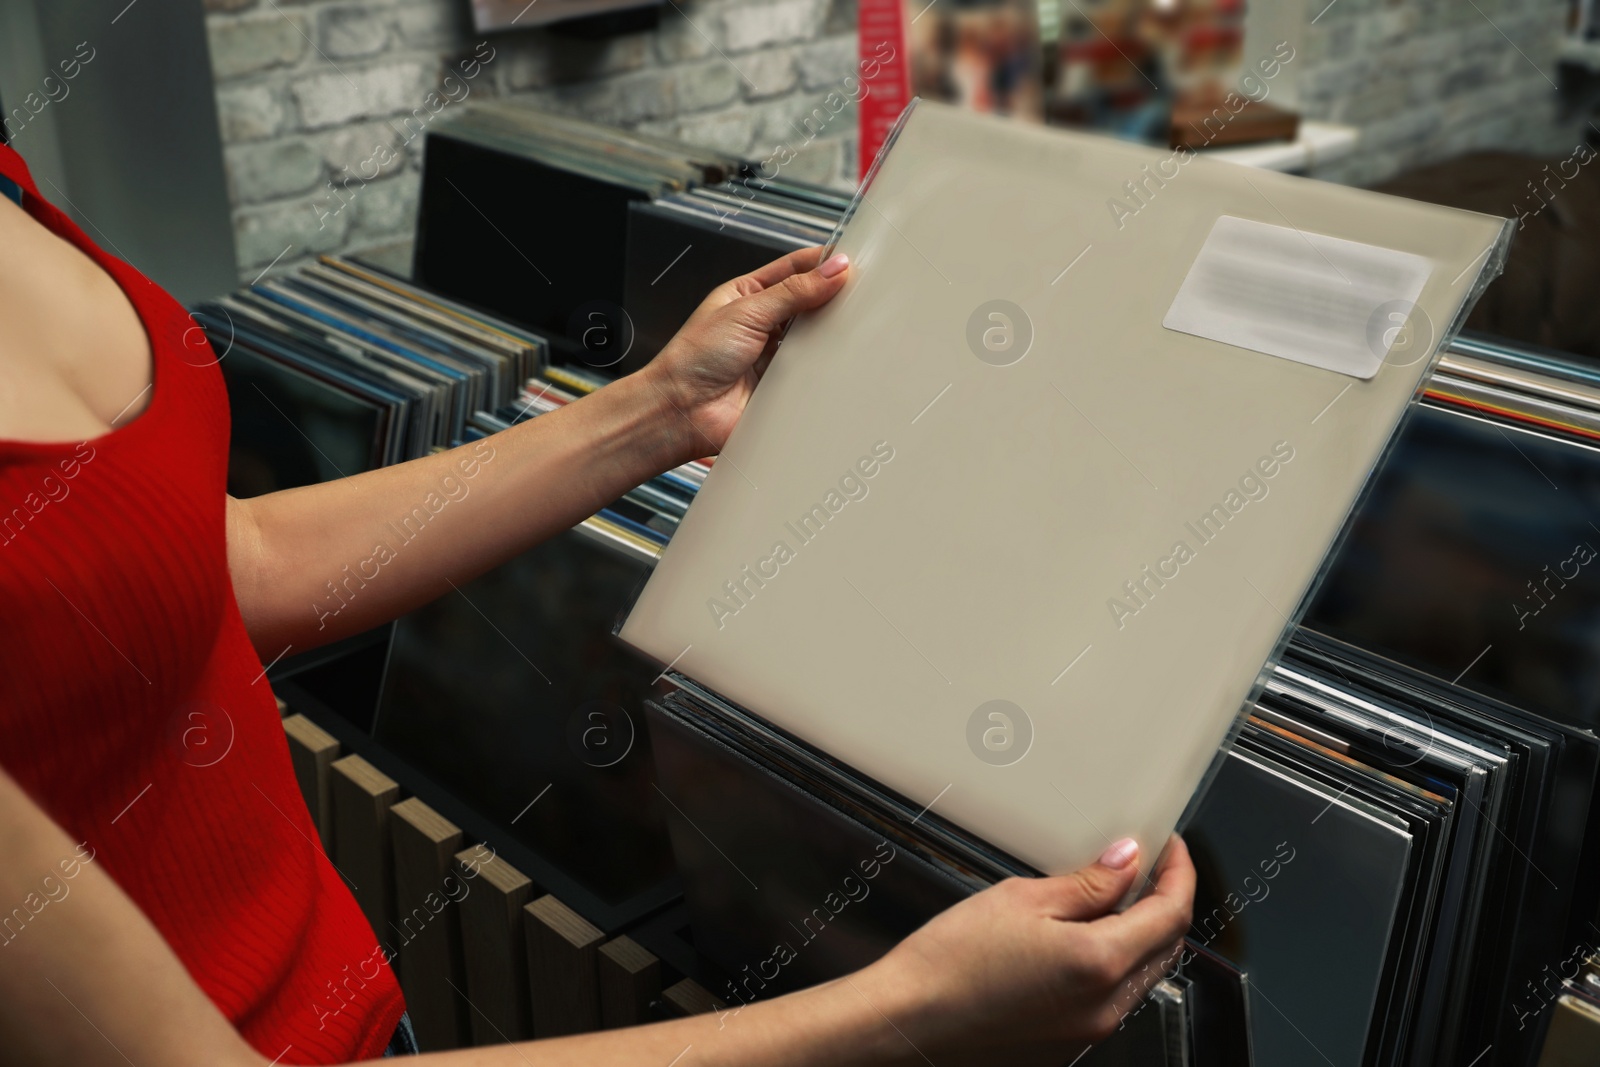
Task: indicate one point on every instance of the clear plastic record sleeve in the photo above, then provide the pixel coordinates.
(1015, 524)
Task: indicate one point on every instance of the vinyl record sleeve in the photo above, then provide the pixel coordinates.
(448, 379)
(1552, 862)
(476, 368)
(1301, 886)
(285, 328)
(989, 532)
(264, 394)
(528, 349)
(1403, 958)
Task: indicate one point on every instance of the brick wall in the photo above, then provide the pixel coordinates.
(1427, 80)
(309, 92)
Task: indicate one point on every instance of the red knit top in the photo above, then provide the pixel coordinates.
(134, 710)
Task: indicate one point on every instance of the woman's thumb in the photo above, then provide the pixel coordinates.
(1094, 890)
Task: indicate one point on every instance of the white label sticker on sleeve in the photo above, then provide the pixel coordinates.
(1331, 303)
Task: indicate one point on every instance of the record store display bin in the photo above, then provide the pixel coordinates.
(1396, 863)
(1397, 860)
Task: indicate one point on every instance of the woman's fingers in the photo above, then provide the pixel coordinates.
(794, 263)
(1031, 965)
(762, 279)
(781, 301)
(1161, 917)
(1130, 952)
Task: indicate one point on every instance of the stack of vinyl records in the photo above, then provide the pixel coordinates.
(781, 212)
(1384, 863)
(336, 369)
(627, 156)
(643, 520)
(1467, 563)
(340, 367)
(1529, 388)
(526, 213)
(637, 225)
(1438, 829)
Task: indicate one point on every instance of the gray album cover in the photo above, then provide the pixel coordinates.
(1014, 523)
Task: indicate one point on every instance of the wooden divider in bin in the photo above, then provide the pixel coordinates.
(362, 796)
(481, 961)
(427, 891)
(692, 998)
(630, 978)
(492, 946)
(563, 976)
(312, 751)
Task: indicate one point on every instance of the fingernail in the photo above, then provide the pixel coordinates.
(1120, 854)
(835, 265)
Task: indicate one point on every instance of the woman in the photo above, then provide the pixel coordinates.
(157, 908)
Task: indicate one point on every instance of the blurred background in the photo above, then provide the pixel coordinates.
(238, 119)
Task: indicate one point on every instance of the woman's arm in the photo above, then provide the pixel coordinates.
(1023, 973)
(314, 564)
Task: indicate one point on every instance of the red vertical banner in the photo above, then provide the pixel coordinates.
(885, 73)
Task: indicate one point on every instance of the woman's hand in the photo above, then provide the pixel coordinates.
(708, 370)
(1033, 969)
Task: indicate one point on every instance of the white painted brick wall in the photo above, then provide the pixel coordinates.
(308, 89)
(1428, 80)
